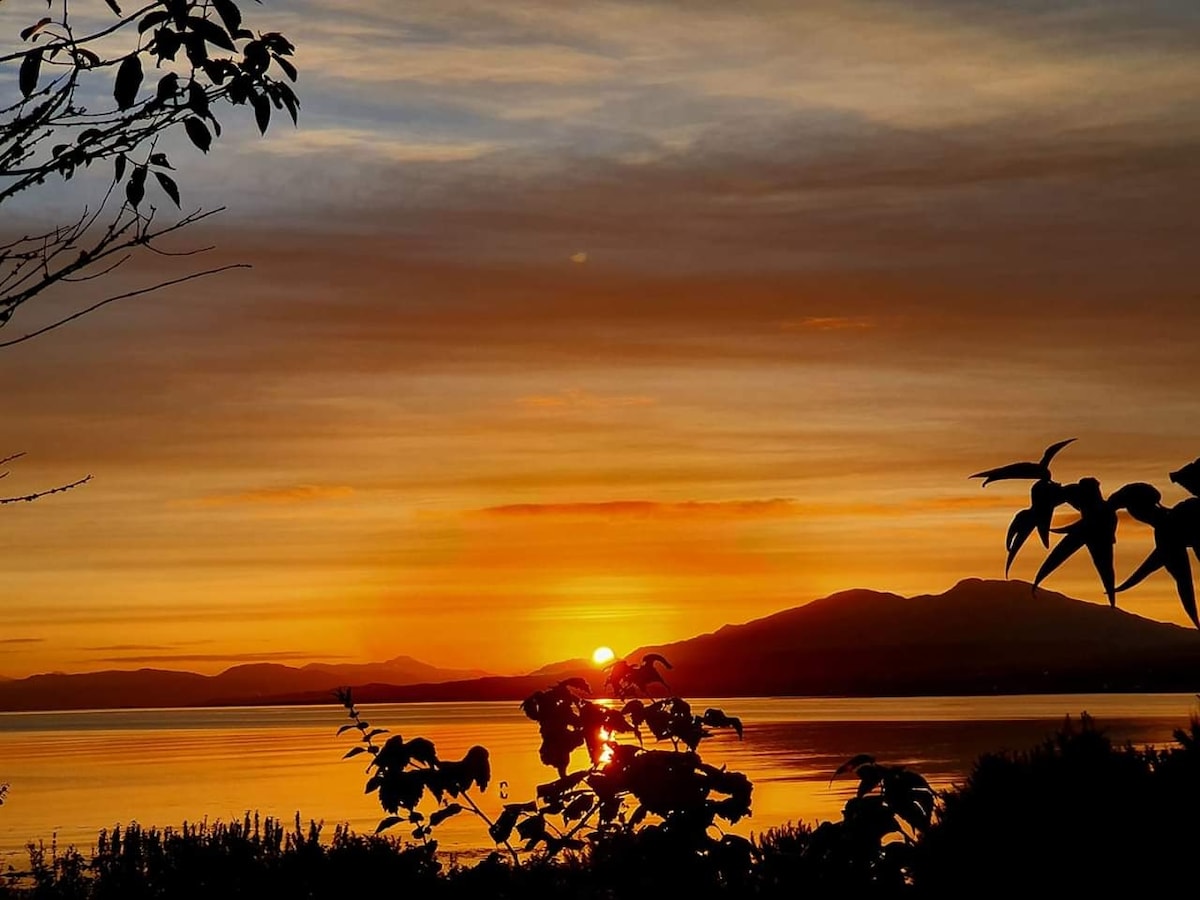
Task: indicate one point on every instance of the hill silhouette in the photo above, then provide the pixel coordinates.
(979, 637)
(240, 685)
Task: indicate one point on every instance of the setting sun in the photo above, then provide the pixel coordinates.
(602, 656)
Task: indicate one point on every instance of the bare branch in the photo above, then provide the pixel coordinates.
(29, 498)
(126, 296)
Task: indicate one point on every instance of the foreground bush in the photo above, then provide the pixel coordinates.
(1075, 813)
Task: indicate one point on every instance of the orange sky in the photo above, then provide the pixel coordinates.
(574, 327)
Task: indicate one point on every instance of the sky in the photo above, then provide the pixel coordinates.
(610, 323)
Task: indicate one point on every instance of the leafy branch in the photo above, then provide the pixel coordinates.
(203, 58)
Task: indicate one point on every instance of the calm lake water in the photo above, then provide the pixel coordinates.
(73, 773)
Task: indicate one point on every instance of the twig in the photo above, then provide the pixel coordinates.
(126, 296)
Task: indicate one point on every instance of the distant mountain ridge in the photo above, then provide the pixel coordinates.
(239, 685)
(979, 637)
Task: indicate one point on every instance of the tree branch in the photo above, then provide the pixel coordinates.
(126, 296)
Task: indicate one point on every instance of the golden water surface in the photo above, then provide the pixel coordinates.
(73, 773)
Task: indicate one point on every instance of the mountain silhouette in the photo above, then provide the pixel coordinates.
(240, 685)
(980, 637)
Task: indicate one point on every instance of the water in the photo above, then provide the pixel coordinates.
(73, 773)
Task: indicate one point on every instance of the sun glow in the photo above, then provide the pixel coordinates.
(602, 656)
(606, 753)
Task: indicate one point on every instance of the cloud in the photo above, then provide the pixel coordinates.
(648, 509)
(271, 656)
(18, 642)
(829, 323)
(130, 648)
(579, 258)
(755, 509)
(573, 399)
(394, 147)
(300, 493)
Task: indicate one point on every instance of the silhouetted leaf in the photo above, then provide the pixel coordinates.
(288, 69)
(262, 111)
(717, 719)
(151, 20)
(289, 100)
(354, 751)
(532, 830)
(423, 751)
(167, 43)
(84, 58)
(27, 33)
(135, 189)
(31, 68)
(441, 815)
(197, 49)
(853, 763)
(402, 789)
(211, 32)
(198, 132)
(229, 13)
(504, 824)
(256, 57)
(112, 4)
(169, 186)
(344, 728)
(198, 99)
(389, 822)
(869, 778)
(375, 732)
(121, 162)
(129, 79)
(160, 160)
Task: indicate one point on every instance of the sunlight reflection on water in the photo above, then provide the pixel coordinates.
(75, 773)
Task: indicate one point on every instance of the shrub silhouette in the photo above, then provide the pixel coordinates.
(670, 798)
(1075, 813)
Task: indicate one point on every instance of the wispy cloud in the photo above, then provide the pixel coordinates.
(130, 648)
(829, 323)
(19, 642)
(611, 509)
(300, 493)
(754, 509)
(398, 148)
(577, 399)
(281, 656)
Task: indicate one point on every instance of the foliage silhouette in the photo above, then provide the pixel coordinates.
(629, 680)
(1044, 497)
(1075, 813)
(1175, 528)
(201, 57)
(402, 772)
(671, 797)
